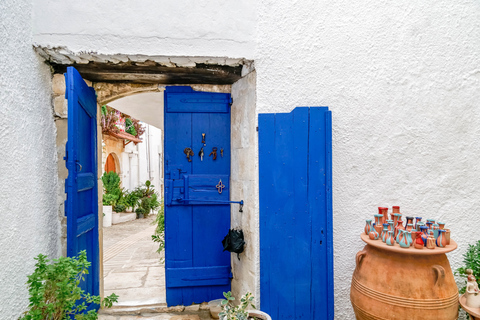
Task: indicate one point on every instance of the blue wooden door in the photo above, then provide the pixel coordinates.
(81, 185)
(296, 243)
(196, 220)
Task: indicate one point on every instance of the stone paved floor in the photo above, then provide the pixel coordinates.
(132, 267)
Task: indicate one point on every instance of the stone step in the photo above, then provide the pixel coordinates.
(123, 217)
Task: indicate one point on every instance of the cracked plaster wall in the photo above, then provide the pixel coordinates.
(28, 173)
(179, 28)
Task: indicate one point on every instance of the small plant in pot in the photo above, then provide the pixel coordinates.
(230, 311)
(140, 213)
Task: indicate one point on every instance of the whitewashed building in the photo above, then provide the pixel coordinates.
(402, 81)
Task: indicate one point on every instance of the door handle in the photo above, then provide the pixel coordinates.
(78, 164)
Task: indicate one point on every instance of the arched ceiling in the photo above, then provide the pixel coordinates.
(146, 107)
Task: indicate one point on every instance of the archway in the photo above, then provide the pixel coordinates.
(110, 164)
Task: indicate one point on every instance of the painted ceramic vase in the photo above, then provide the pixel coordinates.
(413, 237)
(435, 229)
(404, 241)
(368, 226)
(390, 225)
(431, 242)
(409, 220)
(395, 210)
(417, 220)
(384, 232)
(378, 223)
(374, 235)
(419, 225)
(396, 217)
(429, 224)
(441, 240)
(409, 227)
(447, 236)
(424, 235)
(384, 212)
(399, 226)
(390, 239)
(418, 243)
(441, 225)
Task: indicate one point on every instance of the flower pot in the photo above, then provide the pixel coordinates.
(255, 313)
(107, 216)
(422, 286)
(140, 216)
(259, 314)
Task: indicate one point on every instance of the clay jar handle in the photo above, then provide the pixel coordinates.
(359, 257)
(439, 274)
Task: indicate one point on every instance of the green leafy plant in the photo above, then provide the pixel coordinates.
(139, 211)
(233, 312)
(55, 293)
(159, 222)
(111, 186)
(129, 127)
(119, 207)
(109, 199)
(471, 259)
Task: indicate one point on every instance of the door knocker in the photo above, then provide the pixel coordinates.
(214, 153)
(189, 153)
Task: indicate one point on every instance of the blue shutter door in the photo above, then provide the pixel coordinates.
(197, 269)
(81, 185)
(296, 242)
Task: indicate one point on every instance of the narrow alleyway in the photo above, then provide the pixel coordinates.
(132, 267)
(133, 270)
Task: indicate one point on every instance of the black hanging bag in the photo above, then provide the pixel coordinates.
(234, 242)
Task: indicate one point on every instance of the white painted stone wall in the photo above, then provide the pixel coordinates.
(28, 173)
(244, 185)
(402, 79)
(173, 28)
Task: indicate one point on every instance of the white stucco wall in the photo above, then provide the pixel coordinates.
(176, 28)
(402, 80)
(29, 221)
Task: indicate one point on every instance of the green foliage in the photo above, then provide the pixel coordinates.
(129, 127)
(104, 110)
(55, 293)
(147, 198)
(109, 199)
(140, 210)
(233, 312)
(471, 259)
(159, 235)
(119, 207)
(131, 199)
(111, 187)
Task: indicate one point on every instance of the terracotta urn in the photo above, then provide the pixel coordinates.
(431, 294)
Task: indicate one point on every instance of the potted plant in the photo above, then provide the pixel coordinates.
(112, 194)
(55, 291)
(140, 212)
(471, 260)
(241, 311)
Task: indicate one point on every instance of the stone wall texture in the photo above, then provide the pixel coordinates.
(28, 169)
(244, 185)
